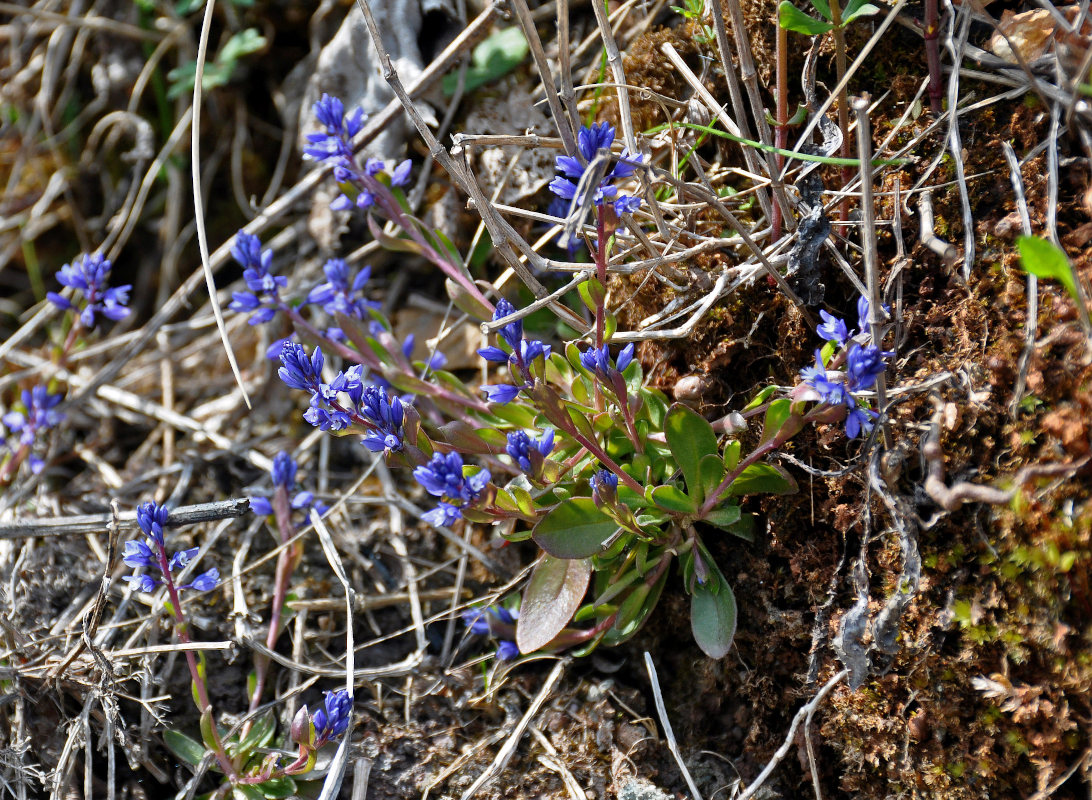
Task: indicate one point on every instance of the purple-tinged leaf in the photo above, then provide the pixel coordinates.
(552, 597)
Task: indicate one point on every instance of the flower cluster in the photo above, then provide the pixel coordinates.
(597, 360)
(333, 720)
(152, 555)
(39, 414)
(496, 621)
(263, 300)
(443, 477)
(334, 148)
(284, 477)
(342, 293)
(863, 362)
(368, 406)
(87, 276)
(590, 141)
(604, 487)
(529, 453)
(520, 354)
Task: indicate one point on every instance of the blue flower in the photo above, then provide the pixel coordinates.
(597, 360)
(859, 419)
(604, 486)
(205, 582)
(151, 518)
(137, 554)
(590, 141)
(477, 619)
(334, 146)
(333, 720)
(284, 470)
(386, 414)
(87, 275)
(529, 453)
(507, 650)
(182, 558)
(40, 414)
(520, 355)
(833, 329)
(443, 516)
(263, 300)
(864, 365)
(299, 370)
(339, 295)
(443, 477)
(863, 309)
(284, 475)
(500, 392)
(142, 583)
(401, 174)
(150, 555)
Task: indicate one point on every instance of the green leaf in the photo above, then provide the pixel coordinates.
(246, 791)
(690, 438)
(278, 787)
(760, 398)
(466, 302)
(499, 54)
(207, 730)
(260, 734)
(858, 8)
(724, 516)
(792, 18)
(593, 293)
(731, 455)
(823, 7)
(776, 414)
(574, 529)
(711, 472)
(635, 610)
(1042, 259)
(241, 44)
(713, 614)
(671, 498)
(762, 479)
(184, 747)
(552, 597)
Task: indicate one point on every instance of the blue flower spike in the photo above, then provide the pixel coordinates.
(520, 355)
(529, 453)
(590, 142)
(284, 478)
(151, 555)
(864, 363)
(263, 299)
(87, 277)
(332, 720)
(39, 414)
(443, 477)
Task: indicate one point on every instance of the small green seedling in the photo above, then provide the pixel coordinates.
(220, 71)
(792, 18)
(496, 56)
(1043, 260)
(694, 10)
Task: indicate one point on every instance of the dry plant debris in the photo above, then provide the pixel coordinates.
(910, 615)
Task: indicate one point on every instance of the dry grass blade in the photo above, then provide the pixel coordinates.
(198, 195)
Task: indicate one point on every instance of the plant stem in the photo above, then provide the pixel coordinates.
(182, 629)
(601, 276)
(781, 132)
(286, 563)
(932, 56)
